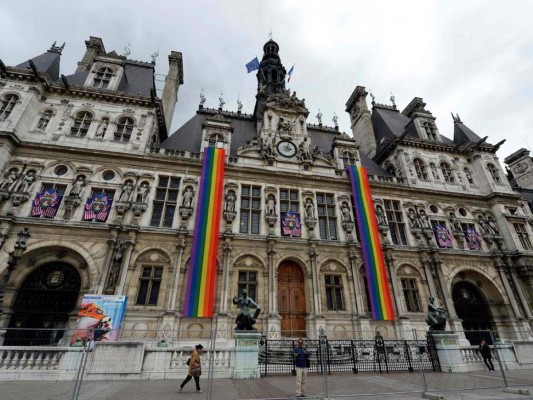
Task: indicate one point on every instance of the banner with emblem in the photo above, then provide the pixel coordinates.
(46, 204)
(97, 208)
(473, 239)
(443, 236)
(290, 224)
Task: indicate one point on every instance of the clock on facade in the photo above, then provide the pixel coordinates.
(286, 148)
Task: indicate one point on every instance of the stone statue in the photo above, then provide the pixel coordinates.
(221, 101)
(10, 180)
(413, 219)
(380, 216)
(77, 186)
(305, 150)
(127, 190)
(492, 224)
(335, 120)
(284, 125)
(25, 183)
(268, 145)
(456, 225)
(436, 316)
(239, 105)
(346, 217)
(187, 198)
(202, 98)
(309, 209)
(245, 321)
(319, 117)
(271, 205)
(43, 122)
(230, 201)
(100, 131)
(424, 222)
(142, 193)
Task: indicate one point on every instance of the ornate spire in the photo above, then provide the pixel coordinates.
(57, 49)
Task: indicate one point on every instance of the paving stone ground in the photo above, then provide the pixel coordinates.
(370, 386)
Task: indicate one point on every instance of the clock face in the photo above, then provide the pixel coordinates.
(286, 148)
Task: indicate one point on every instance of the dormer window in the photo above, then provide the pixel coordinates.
(431, 131)
(420, 169)
(7, 104)
(82, 122)
(494, 173)
(102, 78)
(216, 140)
(348, 159)
(124, 129)
(447, 172)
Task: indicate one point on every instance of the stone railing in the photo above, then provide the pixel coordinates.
(507, 351)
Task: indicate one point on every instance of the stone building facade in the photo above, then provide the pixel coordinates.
(122, 193)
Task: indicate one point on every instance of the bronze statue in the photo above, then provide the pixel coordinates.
(245, 321)
(436, 317)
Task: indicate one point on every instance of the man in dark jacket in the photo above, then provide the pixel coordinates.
(301, 355)
(484, 350)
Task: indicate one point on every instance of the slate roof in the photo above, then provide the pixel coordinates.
(47, 62)
(463, 134)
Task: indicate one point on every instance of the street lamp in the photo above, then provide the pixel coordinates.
(14, 257)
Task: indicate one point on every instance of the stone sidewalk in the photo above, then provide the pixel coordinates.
(403, 386)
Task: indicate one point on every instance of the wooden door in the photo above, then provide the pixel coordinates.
(291, 300)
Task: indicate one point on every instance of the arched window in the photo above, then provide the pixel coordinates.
(494, 173)
(82, 122)
(447, 172)
(468, 175)
(348, 158)
(216, 140)
(44, 120)
(431, 132)
(102, 78)
(124, 129)
(7, 104)
(420, 168)
(391, 170)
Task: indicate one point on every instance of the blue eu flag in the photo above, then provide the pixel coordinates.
(252, 65)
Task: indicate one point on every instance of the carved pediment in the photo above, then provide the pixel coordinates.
(284, 101)
(154, 256)
(248, 262)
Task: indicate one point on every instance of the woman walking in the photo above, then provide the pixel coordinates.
(195, 368)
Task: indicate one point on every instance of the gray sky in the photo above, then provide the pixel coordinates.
(473, 58)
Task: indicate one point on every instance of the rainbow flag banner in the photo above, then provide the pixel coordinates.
(200, 291)
(378, 287)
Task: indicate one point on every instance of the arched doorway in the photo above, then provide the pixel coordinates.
(42, 305)
(472, 307)
(291, 300)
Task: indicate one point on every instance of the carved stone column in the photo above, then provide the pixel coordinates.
(225, 274)
(317, 299)
(105, 267)
(129, 244)
(357, 303)
(521, 294)
(389, 260)
(502, 271)
(272, 286)
(180, 247)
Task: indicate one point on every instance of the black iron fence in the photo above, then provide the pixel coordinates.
(378, 355)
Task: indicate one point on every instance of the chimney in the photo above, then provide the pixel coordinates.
(95, 47)
(172, 82)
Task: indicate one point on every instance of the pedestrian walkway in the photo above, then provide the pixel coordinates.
(402, 386)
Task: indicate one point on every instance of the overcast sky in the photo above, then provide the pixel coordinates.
(474, 58)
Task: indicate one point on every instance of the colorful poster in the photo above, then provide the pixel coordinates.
(46, 203)
(443, 236)
(473, 239)
(290, 224)
(99, 319)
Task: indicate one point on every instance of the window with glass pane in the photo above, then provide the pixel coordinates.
(250, 209)
(396, 224)
(420, 169)
(102, 78)
(411, 295)
(447, 172)
(334, 297)
(60, 191)
(327, 222)
(248, 281)
(494, 173)
(124, 129)
(431, 131)
(289, 200)
(149, 285)
(7, 104)
(348, 159)
(164, 204)
(523, 236)
(356, 224)
(82, 122)
(216, 140)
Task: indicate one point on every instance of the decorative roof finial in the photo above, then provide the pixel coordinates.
(221, 101)
(335, 120)
(373, 98)
(202, 98)
(392, 98)
(319, 117)
(154, 56)
(270, 34)
(239, 104)
(57, 49)
(458, 118)
(127, 50)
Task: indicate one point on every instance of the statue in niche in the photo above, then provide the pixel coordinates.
(309, 209)
(414, 222)
(25, 183)
(424, 221)
(284, 126)
(271, 205)
(268, 145)
(77, 186)
(230, 201)
(436, 316)
(127, 190)
(114, 272)
(380, 216)
(305, 150)
(43, 121)
(10, 180)
(100, 131)
(492, 224)
(346, 217)
(245, 321)
(142, 193)
(454, 222)
(187, 198)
